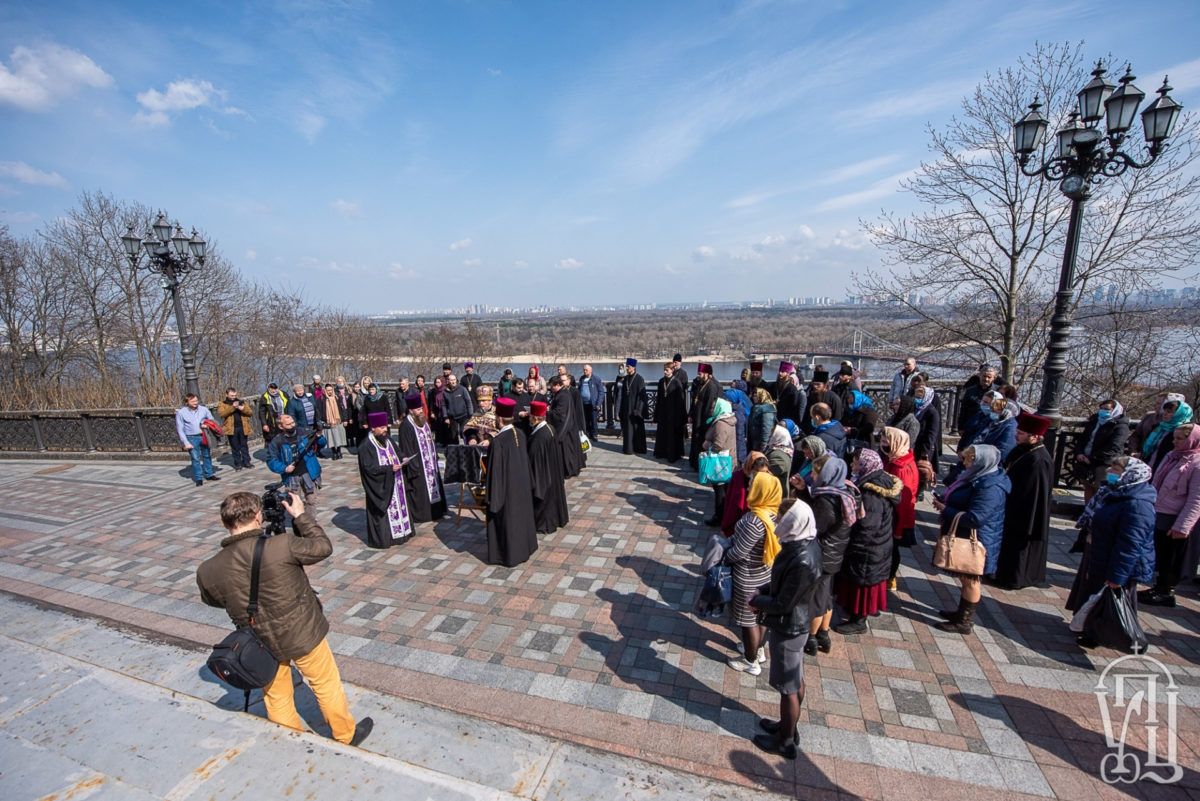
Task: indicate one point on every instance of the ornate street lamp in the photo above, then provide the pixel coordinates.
(1082, 159)
(171, 254)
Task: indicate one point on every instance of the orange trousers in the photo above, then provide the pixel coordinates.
(321, 672)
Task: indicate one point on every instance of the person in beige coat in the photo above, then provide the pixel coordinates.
(721, 437)
(290, 621)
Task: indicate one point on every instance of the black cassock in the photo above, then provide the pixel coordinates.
(416, 487)
(703, 400)
(560, 417)
(633, 415)
(577, 422)
(379, 484)
(546, 476)
(510, 526)
(670, 415)
(1026, 517)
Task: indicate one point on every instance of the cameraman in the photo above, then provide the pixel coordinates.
(293, 456)
(290, 621)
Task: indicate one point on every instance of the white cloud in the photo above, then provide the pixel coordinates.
(858, 169)
(494, 72)
(806, 232)
(521, 264)
(907, 103)
(772, 241)
(251, 255)
(461, 244)
(346, 208)
(876, 191)
(36, 78)
(569, 264)
(472, 262)
(310, 124)
(704, 253)
(399, 272)
(19, 217)
(179, 96)
(22, 172)
(1183, 77)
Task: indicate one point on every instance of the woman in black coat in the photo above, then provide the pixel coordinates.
(861, 584)
(834, 504)
(1103, 440)
(928, 445)
(784, 605)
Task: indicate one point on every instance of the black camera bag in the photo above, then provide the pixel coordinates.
(241, 659)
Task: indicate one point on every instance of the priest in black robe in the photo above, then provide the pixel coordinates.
(790, 402)
(577, 420)
(511, 530)
(546, 474)
(1030, 468)
(633, 410)
(704, 397)
(681, 373)
(381, 470)
(560, 416)
(755, 380)
(422, 478)
(670, 415)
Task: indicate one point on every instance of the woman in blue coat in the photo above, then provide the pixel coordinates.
(979, 494)
(1119, 524)
(996, 424)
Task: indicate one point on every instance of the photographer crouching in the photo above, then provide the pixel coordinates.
(293, 455)
(288, 619)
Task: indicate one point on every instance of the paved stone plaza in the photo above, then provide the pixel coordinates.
(592, 641)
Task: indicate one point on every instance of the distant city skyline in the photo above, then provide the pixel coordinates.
(383, 155)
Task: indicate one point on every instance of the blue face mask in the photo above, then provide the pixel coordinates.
(1103, 415)
(993, 415)
(1112, 479)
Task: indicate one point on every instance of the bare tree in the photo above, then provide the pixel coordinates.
(984, 254)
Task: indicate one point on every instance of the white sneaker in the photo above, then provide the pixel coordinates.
(742, 666)
(762, 654)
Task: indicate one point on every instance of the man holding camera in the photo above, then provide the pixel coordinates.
(290, 621)
(235, 418)
(293, 455)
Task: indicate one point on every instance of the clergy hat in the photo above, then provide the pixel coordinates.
(756, 367)
(704, 368)
(820, 375)
(678, 357)
(537, 408)
(377, 420)
(787, 367)
(413, 400)
(483, 391)
(505, 407)
(1033, 424)
(469, 364)
(631, 362)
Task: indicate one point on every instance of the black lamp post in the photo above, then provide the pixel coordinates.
(171, 254)
(1081, 160)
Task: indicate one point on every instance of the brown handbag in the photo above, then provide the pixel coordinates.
(966, 555)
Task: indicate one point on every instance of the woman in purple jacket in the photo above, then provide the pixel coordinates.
(1177, 511)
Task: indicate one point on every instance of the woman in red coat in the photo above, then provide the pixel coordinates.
(901, 463)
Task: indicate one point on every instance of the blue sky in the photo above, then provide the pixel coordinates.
(409, 155)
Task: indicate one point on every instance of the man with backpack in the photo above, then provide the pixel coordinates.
(289, 621)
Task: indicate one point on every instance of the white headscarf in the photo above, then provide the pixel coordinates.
(781, 440)
(796, 524)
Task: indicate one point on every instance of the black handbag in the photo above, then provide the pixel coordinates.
(241, 660)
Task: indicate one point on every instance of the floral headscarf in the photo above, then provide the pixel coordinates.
(868, 462)
(1136, 472)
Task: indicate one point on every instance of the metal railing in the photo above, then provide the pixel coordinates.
(152, 429)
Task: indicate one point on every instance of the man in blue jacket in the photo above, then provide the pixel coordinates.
(591, 392)
(302, 477)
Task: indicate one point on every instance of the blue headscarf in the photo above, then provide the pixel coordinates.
(860, 400)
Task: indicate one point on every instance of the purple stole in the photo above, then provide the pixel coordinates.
(428, 460)
(398, 518)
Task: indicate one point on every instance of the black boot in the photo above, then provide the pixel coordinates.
(810, 646)
(824, 644)
(772, 727)
(953, 615)
(963, 624)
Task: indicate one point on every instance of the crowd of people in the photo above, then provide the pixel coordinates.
(820, 501)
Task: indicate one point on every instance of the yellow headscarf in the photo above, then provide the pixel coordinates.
(763, 500)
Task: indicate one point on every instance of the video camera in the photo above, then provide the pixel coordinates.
(272, 508)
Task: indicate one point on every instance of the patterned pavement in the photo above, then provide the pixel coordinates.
(592, 640)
